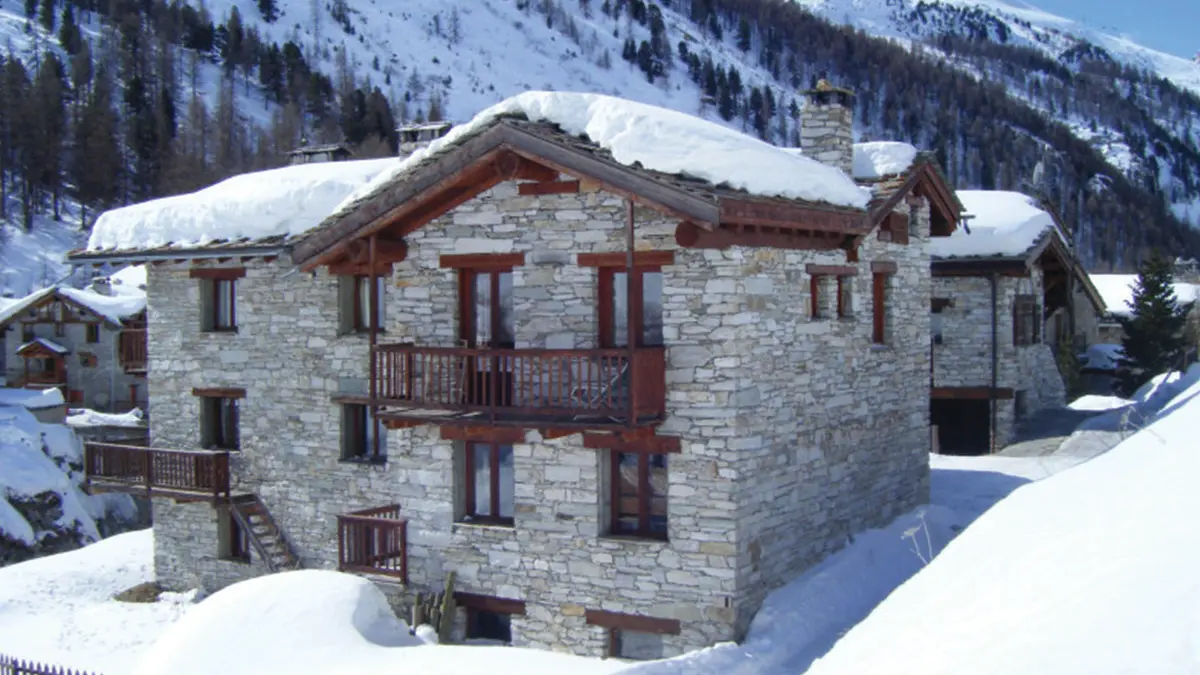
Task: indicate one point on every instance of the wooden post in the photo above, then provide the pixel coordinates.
(374, 339)
(631, 323)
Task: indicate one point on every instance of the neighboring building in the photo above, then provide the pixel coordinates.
(1117, 291)
(310, 154)
(413, 137)
(90, 344)
(621, 405)
(1004, 292)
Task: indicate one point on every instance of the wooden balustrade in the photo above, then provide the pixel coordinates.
(374, 541)
(132, 349)
(157, 472)
(542, 384)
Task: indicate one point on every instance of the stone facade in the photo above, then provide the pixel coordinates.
(795, 432)
(93, 368)
(964, 358)
(826, 133)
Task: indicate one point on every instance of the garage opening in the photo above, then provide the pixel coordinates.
(964, 425)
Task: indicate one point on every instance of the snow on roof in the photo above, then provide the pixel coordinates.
(1117, 292)
(48, 344)
(86, 417)
(129, 280)
(1092, 570)
(32, 399)
(248, 207)
(879, 159)
(1005, 224)
(658, 139)
(114, 308)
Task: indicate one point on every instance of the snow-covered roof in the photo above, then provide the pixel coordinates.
(1004, 225)
(879, 159)
(31, 399)
(49, 345)
(114, 308)
(248, 207)
(86, 417)
(657, 139)
(317, 149)
(1117, 292)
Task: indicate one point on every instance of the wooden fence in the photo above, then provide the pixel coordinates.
(13, 666)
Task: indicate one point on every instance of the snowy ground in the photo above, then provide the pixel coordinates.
(1083, 565)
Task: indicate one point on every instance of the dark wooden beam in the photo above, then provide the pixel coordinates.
(979, 268)
(970, 393)
(789, 216)
(506, 435)
(689, 235)
(528, 169)
(634, 622)
(482, 260)
(387, 250)
(558, 187)
(488, 603)
(621, 442)
(556, 433)
(640, 259)
(400, 424)
(883, 267)
(223, 273)
(220, 392)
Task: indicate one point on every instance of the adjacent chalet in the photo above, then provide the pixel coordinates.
(88, 343)
(620, 370)
(1007, 291)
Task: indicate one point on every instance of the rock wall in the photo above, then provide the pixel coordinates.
(747, 375)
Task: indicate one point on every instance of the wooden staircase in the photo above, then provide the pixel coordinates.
(264, 534)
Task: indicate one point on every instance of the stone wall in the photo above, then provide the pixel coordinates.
(103, 384)
(754, 386)
(964, 359)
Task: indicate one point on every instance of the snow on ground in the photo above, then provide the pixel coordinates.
(1117, 291)
(254, 205)
(86, 417)
(661, 140)
(1092, 570)
(879, 159)
(1003, 224)
(59, 609)
(1095, 403)
(31, 399)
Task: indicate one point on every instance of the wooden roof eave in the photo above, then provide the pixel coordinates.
(790, 216)
(420, 189)
(138, 257)
(979, 267)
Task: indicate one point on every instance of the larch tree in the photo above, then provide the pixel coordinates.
(1154, 341)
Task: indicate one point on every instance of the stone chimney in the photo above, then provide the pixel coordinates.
(416, 136)
(827, 126)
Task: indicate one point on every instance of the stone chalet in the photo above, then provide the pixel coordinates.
(620, 405)
(1007, 290)
(88, 343)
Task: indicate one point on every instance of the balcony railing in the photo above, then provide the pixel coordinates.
(132, 349)
(156, 472)
(374, 541)
(569, 386)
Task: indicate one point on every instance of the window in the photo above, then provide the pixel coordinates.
(233, 540)
(355, 303)
(488, 626)
(93, 332)
(935, 325)
(1026, 324)
(358, 433)
(635, 645)
(881, 272)
(814, 285)
(60, 329)
(219, 423)
(27, 334)
(218, 302)
(614, 307)
(489, 483)
(639, 494)
(845, 296)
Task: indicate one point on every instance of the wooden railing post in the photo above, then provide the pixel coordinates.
(148, 465)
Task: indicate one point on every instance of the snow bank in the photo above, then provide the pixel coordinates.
(879, 159)
(1096, 403)
(1092, 570)
(661, 140)
(86, 417)
(31, 399)
(283, 201)
(1004, 224)
(1117, 292)
(60, 609)
(323, 622)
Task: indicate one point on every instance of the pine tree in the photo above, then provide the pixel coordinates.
(68, 32)
(97, 158)
(1153, 341)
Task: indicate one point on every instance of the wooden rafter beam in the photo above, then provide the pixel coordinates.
(688, 235)
(557, 187)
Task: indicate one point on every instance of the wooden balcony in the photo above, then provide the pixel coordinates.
(132, 349)
(374, 541)
(153, 472)
(575, 388)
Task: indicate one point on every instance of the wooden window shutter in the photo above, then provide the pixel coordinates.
(346, 302)
(207, 301)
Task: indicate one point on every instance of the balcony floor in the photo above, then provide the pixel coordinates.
(138, 489)
(397, 412)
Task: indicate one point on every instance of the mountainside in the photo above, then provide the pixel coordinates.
(1008, 97)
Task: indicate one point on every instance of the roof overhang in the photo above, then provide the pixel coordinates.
(924, 180)
(166, 255)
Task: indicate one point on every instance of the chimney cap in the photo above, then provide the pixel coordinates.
(824, 93)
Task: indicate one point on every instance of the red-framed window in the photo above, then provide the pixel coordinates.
(614, 298)
(638, 498)
(489, 483)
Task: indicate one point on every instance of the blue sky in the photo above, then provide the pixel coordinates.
(1167, 25)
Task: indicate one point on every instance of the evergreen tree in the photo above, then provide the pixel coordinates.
(1153, 341)
(269, 10)
(743, 35)
(96, 165)
(68, 32)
